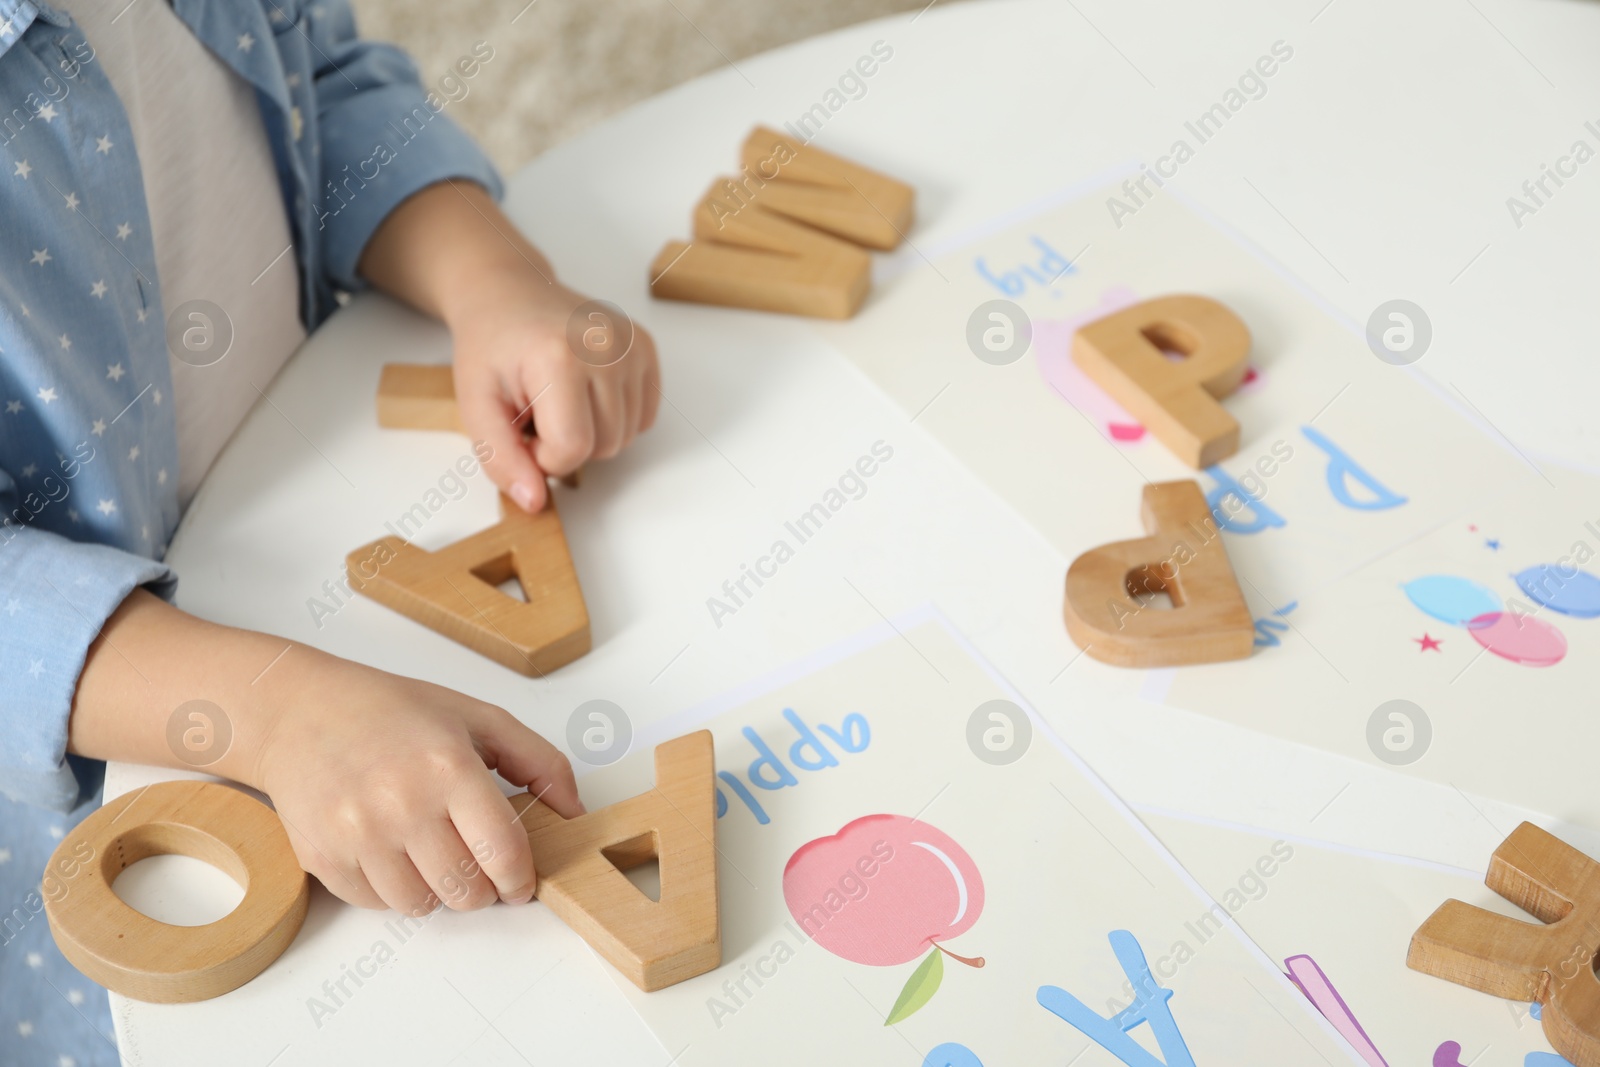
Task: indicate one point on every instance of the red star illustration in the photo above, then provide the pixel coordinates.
(1427, 642)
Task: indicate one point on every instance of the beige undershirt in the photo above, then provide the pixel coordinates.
(217, 214)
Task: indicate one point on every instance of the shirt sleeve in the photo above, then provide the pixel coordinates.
(55, 597)
(382, 137)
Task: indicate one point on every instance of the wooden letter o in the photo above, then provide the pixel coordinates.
(139, 957)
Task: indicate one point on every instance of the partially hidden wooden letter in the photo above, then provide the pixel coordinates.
(140, 957)
(1108, 606)
(580, 863)
(786, 234)
(1550, 961)
(1177, 399)
(422, 396)
(454, 589)
(417, 396)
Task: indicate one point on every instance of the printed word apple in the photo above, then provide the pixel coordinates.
(808, 753)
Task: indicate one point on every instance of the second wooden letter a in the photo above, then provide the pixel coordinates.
(454, 590)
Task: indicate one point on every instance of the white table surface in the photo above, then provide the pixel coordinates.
(1377, 166)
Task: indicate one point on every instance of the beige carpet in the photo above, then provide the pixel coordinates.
(559, 66)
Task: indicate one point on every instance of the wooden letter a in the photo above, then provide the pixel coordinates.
(580, 863)
(1110, 590)
(454, 589)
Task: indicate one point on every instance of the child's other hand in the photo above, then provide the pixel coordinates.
(384, 786)
(450, 251)
(516, 362)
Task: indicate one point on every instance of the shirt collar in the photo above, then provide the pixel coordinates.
(17, 15)
(240, 36)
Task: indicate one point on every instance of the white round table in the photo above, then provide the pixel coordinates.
(1378, 167)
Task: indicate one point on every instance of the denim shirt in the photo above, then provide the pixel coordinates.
(88, 441)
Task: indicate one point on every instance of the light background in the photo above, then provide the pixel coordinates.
(560, 66)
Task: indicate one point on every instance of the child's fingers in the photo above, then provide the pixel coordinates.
(633, 408)
(444, 862)
(488, 824)
(610, 416)
(524, 758)
(486, 416)
(651, 393)
(343, 880)
(349, 885)
(563, 423)
(394, 878)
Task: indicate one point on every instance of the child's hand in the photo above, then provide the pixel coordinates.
(515, 364)
(383, 784)
(450, 251)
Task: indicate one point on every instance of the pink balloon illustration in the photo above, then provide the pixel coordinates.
(882, 891)
(1511, 635)
(1522, 639)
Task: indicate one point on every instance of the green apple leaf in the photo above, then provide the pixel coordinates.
(919, 989)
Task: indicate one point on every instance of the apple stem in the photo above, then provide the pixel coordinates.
(970, 961)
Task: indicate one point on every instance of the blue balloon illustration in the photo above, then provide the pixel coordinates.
(1450, 599)
(1565, 589)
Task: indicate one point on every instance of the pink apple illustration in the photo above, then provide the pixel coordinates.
(881, 892)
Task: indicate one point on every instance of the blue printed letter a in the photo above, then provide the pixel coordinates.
(1149, 1006)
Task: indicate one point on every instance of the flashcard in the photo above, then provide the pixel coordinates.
(914, 869)
(1448, 657)
(1339, 922)
(1341, 455)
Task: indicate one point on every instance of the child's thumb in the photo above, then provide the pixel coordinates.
(505, 456)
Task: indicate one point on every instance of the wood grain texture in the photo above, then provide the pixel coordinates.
(453, 590)
(422, 396)
(1109, 590)
(1176, 399)
(580, 863)
(418, 396)
(786, 235)
(130, 953)
(1550, 960)
(749, 257)
(827, 191)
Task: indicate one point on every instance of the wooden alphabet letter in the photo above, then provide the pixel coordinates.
(786, 234)
(580, 863)
(454, 589)
(1109, 590)
(1126, 355)
(137, 956)
(828, 192)
(417, 396)
(1550, 961)
(745, 256)
(422, 396)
